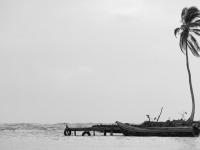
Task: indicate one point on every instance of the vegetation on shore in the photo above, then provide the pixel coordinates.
(168, 123)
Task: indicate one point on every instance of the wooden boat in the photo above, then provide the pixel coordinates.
(129, 130)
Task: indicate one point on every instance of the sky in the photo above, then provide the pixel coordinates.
(93, 61)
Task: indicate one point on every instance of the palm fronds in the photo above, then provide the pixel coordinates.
(191, 22)
(189, 14)
(176, 31)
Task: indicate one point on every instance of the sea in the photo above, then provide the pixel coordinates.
(27, 136)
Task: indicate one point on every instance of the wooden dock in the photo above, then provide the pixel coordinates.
(92, 130)
(105, 129)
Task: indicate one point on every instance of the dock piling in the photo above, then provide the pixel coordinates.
(104, 133)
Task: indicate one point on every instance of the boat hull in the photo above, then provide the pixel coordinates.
(129, 130)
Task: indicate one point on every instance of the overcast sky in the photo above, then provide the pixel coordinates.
(93, 61)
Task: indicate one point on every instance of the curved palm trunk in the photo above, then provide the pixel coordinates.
(191, 118)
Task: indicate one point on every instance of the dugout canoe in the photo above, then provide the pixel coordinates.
(129, 130)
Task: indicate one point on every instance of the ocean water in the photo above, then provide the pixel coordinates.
(50, 137)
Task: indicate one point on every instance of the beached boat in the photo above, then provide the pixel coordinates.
(129, 130)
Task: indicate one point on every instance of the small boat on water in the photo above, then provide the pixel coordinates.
(187, 131)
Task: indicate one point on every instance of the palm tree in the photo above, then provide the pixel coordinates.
(190, 19)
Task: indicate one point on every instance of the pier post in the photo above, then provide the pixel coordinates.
(74, 133)
(104, 133)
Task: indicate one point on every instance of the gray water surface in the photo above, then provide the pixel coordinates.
(50, 137)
